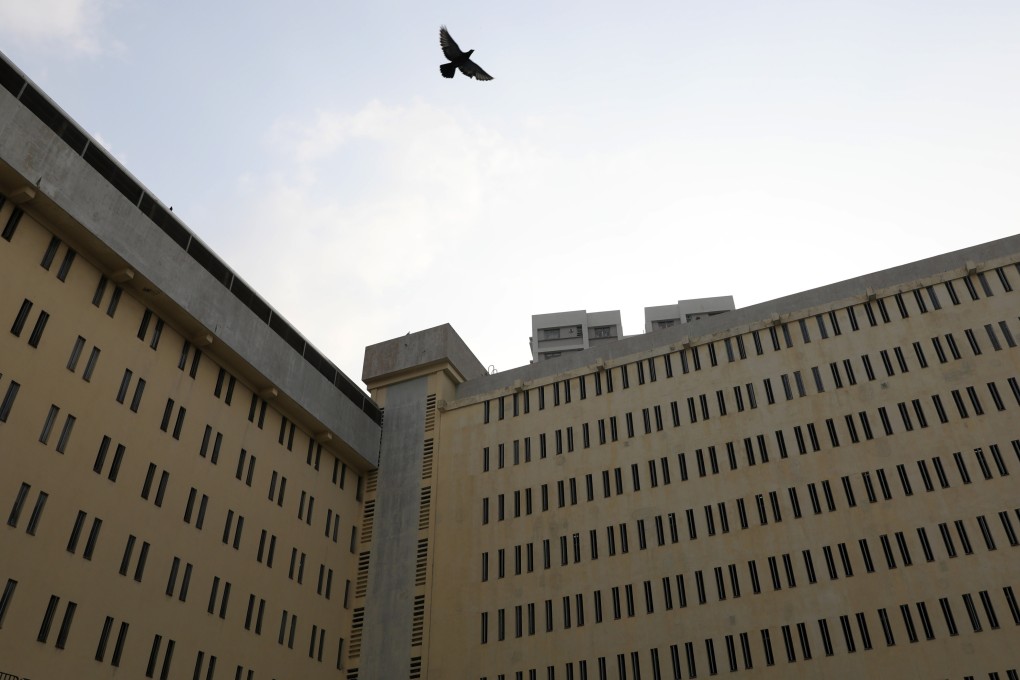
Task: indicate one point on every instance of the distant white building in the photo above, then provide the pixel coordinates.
(559, 332)
(685, 311)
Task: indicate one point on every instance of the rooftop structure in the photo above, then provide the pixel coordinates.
(685, 311)
(555, 334)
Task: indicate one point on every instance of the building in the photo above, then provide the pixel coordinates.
(181, 473)
(555, 334)
(824, 485)
(685, 311)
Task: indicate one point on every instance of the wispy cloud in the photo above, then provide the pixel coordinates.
(75, 25)
(353, 261)
(397, 217)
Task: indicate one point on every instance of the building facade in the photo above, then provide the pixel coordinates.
(181, 474)
(685, 311)
(824, 485)
(819, 486)
(562, 332)
(557, 333)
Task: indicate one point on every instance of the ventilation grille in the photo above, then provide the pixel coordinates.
(415, 668)
(357, 626)
(352, 674)
(426, 506)
(368, 522)
(426, 460)
(371, 481)
(420, 565)
(361, 587)
(418, 622)
(430, 413)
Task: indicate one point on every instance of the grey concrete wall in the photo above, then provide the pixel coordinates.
(681, 309)
(33, 151)
(386, 641)
(423, 348)
(580, 317)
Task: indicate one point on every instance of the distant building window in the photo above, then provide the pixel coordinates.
(551, 334)
(601, 332)
(551, 355)
(703, 315)
(666, 323)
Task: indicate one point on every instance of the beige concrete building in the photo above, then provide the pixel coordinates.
(820, 486)
(181, 473)
(824, 485)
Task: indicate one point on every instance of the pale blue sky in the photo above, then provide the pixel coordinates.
(626, 155)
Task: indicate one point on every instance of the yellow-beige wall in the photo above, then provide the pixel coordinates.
(40, 566)
(465, 608)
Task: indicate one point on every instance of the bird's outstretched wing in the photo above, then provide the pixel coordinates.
(473, 70)
(450, 48)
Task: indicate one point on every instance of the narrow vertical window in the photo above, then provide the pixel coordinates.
(21, 318)
(65, 433)
(37, 331)
(90, 365)
(12, 224)
(111, 309)
(65, 266)
(72, 361)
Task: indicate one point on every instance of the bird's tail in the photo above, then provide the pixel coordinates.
(447, 70)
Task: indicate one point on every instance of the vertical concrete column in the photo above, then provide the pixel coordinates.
(386, 647)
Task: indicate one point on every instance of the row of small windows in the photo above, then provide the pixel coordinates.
(622, 600)
(667, 532)
(232, 530)
(195, 510)
(821, 496)
(801, 641)
(133, 565)
(135, 403)
(691, 357)
(702, 405)
(210, 449)
(160, 657)
(756, 450)
(154, 489)
(87, 530)
(21, 320)
(210, 445)
(150, 330)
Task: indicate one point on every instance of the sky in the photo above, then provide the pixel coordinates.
(626, 155)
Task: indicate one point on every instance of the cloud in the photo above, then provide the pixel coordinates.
(395, 218)
(73, 24)
(366, 224)
(368, 218)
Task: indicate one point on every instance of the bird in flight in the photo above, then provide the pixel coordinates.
(458, 60)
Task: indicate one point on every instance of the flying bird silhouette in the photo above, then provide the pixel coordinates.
(458, 59)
